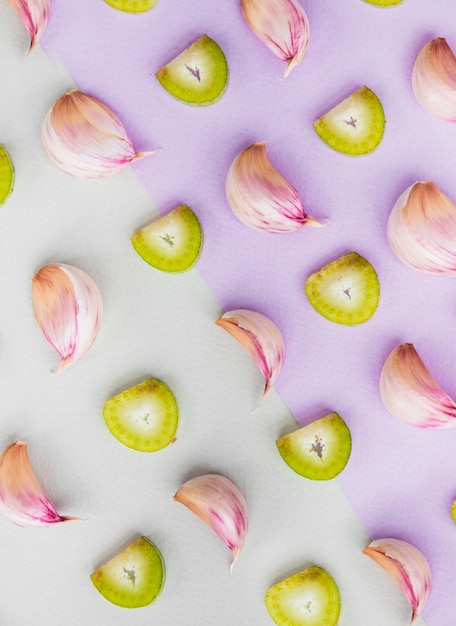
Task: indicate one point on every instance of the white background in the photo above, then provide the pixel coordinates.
(154, 325)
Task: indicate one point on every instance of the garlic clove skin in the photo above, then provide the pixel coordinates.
(434, 79)
(35, 17)
(411, 394)
(282, 26)
(407, 566)
(261, 197)
(84, 138)
(422, 230)
(68, 309)
(218, 503)
(22, 499)
(260, 337)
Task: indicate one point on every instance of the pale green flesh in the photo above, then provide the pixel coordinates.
(310, 598)
(453, 511)
(318, 451)
(198, 75)
(172, 243)
(355, 126)
(134, 577)
(384, 3)
(144, 417)
(6, 175)
(132, 6)
(345, 291)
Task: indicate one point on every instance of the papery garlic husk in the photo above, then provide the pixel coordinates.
(22, 499)
(422, 230)
(411, 394)
(281, 25)
(407, 566)
(261, 197)
(434, 79)
(218, 503)
(84, 138)
(68, 309)
(260, 337)
(34, 15)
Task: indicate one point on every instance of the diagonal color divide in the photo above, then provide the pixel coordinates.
(400, 481)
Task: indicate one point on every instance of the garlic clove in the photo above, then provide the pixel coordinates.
(422, 230)
(34, 15)
(218, 503)
(260, 337)
(434, 79)
(22, 499)
(261, 197)
(84, 138)
(407, 566)
(68, 309)
(282, 26)
(411, 394)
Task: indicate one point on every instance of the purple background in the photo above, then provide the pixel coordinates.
(401, 481)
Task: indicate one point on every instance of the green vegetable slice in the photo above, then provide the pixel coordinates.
(134, 577)
(143, 417)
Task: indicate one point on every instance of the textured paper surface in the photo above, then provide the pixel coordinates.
(399, 480)
(153, 325)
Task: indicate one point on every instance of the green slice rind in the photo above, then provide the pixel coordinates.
(309, 598)
(197, 76)
(172, 243)
(355, 126)
(6, 175)
(318, 451)
(384, 3)
(133, 578)
(453, 511)
(345, 291)
(144, 417)
(132, 6)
